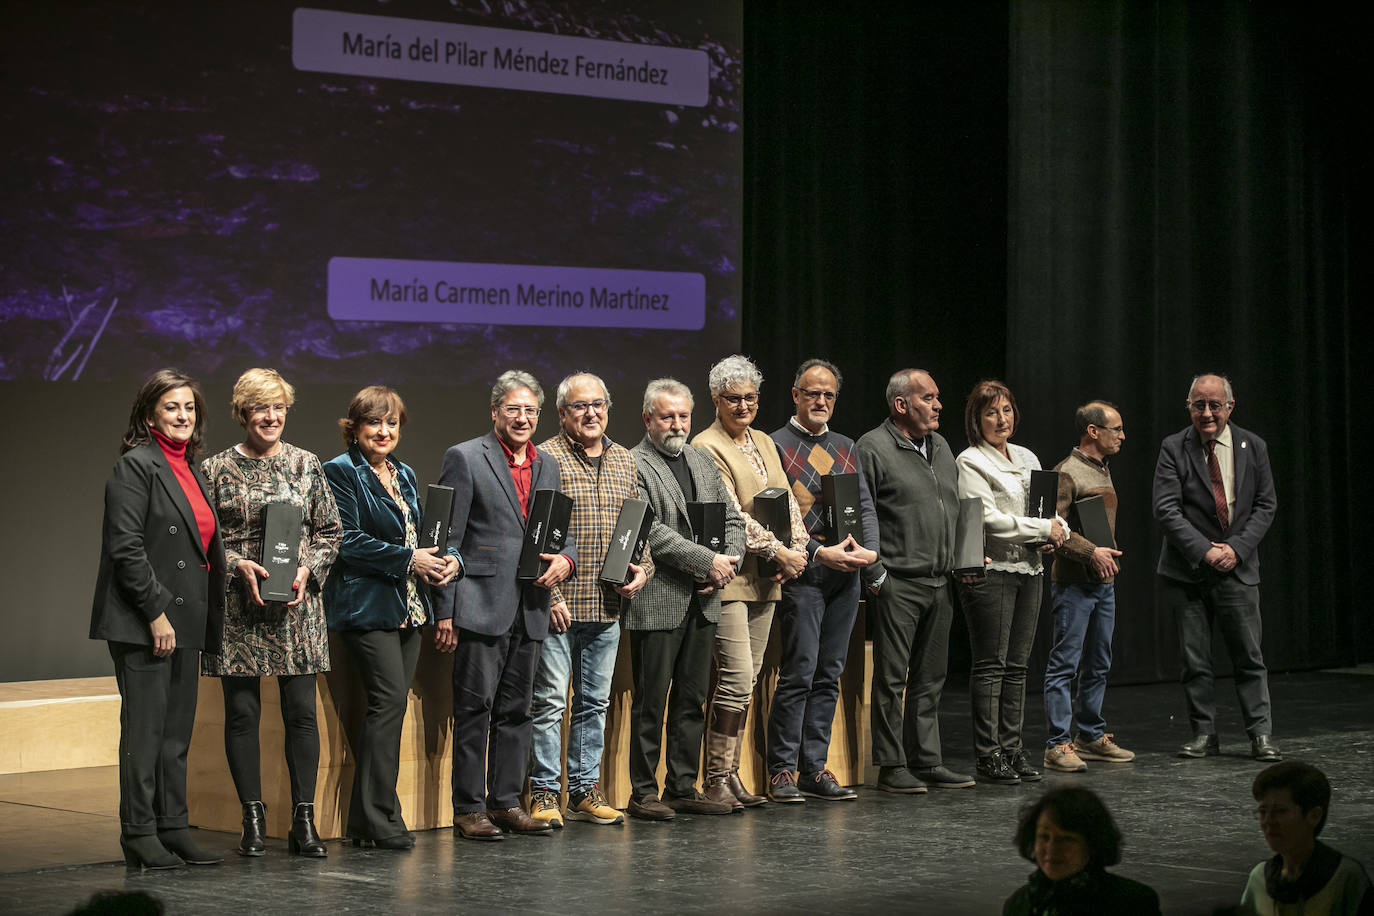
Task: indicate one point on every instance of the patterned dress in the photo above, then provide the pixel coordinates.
(273, 639)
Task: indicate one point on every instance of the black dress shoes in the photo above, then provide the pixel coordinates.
(1201, 746)
(899, 781)
(1262, 748)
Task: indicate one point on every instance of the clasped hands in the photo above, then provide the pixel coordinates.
(1221, 557)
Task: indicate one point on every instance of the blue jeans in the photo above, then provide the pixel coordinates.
(1084, 617)
(583, 656)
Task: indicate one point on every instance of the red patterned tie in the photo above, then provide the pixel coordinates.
(1218, 488)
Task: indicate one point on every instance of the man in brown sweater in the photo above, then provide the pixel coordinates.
(1084, 602)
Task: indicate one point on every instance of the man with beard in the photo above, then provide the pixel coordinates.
(672, 623)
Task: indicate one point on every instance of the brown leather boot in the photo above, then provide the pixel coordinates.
(718, 790)
(746, 798)
(722, 740)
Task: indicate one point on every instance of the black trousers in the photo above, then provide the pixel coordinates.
(1002, 610)
(1232, 607)
(910, 660)
(156, 714)
(814, 621)
(242, 715)
(680, 658)
(493, 685)
(386, 660)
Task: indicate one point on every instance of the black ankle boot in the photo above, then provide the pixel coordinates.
(147, 852)
(179, 842)
(994, 768)
(1020, 764)
(303, 840)
(254, 829)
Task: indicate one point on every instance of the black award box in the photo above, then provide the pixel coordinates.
(281, 544)
(627, 541)
(968, 539)
(546, 531)
(1044, 494)
(438, 513)
(841, 516)
(770, 511)
(1093, 524)
(708, 525)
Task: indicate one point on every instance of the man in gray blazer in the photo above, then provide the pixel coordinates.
(672, 622)
(499, 622)
(1214, 498)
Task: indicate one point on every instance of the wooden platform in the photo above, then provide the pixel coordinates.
(59, 725)
(426, 754)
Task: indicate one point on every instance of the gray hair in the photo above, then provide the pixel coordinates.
(825, 364)
(1093, 413)
(513, 380)
(669, 386)
(899, 386)
(732, 371)
(1225, 383)
(560, 399)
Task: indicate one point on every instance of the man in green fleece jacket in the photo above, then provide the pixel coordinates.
(910, 471)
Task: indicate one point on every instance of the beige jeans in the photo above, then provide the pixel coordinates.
(741, 638)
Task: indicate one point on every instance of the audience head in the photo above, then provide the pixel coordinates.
(1294, 798)
(1066, 831)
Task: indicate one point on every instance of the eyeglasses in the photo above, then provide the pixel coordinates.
(816, 394)
(261, 409)
(1119, 430)
(514, 411)
(598, 405)
(734, 400)
(1213, 406)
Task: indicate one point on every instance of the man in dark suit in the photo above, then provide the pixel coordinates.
(1214, 498)
(672, 622)
(500, 622)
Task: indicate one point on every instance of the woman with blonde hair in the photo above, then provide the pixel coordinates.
(288, 640)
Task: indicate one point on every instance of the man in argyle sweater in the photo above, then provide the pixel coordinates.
(818, 608)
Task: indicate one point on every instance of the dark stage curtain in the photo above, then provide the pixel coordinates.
(1181, 179)
(1093, 199)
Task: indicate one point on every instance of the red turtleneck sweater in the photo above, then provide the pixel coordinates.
(176, 460)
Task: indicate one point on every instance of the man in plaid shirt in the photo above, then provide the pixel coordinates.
(584, 613)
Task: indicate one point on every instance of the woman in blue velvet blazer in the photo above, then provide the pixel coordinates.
(377, 599)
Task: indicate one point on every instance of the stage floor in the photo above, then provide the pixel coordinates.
(1188, 827)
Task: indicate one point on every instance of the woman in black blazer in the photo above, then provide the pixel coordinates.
(159, 600)
(376, 597)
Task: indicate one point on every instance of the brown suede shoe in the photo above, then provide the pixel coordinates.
(649, 808)
(476, 826)
(696, 803)
(746, 798)
(515, 820)
(718, 790)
